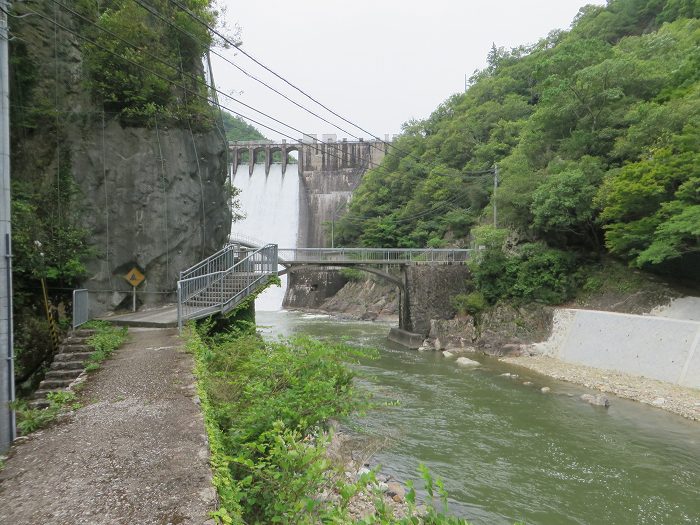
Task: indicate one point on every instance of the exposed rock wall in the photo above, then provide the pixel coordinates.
(309, 288)
(328, 291)
(151, 197)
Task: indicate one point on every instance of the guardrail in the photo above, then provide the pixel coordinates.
(81, 307)
(219, 283)
(373, 255)
(237, 237)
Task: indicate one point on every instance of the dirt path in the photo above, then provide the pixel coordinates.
(136, 453)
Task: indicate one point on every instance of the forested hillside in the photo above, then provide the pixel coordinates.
(596, 134)
(238, 129)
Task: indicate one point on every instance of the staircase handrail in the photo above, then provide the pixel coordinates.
(226, 282)
(229, 247)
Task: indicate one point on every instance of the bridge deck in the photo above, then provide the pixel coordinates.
(368, 256)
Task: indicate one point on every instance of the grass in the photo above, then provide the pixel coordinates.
(30, 419)
(105, 341)
(266, 409)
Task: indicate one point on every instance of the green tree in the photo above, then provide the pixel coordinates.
(649, 206)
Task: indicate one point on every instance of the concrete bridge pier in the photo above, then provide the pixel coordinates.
(251, 160)
(234, 164)
(404, 302)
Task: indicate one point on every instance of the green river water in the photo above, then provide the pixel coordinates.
(507, 452)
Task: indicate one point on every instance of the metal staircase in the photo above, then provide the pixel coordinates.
(222, 281)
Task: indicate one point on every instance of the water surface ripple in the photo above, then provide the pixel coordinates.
(507, 452)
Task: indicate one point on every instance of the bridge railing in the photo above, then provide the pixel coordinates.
(374, 255)
(242, 238)
(219, 283)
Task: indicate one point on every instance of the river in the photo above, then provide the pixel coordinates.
(509, 453)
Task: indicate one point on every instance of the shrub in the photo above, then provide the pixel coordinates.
(469, 303)
(266, 405)
(534, 273)
(31, 419)
(105, 341)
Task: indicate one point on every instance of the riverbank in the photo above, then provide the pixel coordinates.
(659, 394)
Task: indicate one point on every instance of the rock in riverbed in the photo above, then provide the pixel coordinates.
(598, 400)
(465, 361)
(396, 491)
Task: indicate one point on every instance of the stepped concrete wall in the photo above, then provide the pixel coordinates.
(655, 347)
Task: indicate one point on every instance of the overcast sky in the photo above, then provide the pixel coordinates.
(377, 63)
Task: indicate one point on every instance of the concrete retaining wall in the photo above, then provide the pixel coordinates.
(654, 347)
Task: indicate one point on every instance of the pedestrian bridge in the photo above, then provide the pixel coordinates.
(221, 282)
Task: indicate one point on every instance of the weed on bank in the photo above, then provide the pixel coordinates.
(266, 406)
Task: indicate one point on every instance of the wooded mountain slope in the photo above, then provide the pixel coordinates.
(595, 132)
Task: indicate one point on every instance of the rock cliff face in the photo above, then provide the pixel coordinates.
(150, 197)
(369, 299)
(154, 200)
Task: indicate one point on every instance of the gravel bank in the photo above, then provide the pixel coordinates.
(135, 453)
(679, 400)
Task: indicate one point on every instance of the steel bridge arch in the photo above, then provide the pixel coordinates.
(387, 277)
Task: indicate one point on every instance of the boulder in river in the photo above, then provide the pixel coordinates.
(465, 361)
(598, 400)
(545, 389)
(447, 354)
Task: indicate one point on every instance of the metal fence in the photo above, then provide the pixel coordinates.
(219, 283)
(242, 238)
(81, 307)
(374, 255)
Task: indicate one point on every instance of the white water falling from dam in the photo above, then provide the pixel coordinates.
(271, 207)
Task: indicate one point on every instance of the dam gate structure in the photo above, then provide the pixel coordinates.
(329, 171)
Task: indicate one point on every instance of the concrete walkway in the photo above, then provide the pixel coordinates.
(136, 453)
(158, 317)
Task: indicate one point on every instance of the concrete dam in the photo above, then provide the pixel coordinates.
(329, 170)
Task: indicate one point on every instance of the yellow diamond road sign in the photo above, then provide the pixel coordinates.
(134, 277)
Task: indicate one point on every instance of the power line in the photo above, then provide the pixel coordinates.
(237, 46)
(180, 70)
(181, 86)
(173, 67)
(228, 41)
(162, 77)
(408, 218)
(213, 102)
(155, 13)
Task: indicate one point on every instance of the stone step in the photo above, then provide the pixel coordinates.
(49, 384)
(40, 403)
(41, 393)
(73, 356)
(67, 365)
(72, 340)
(72, 349)
(83, 332)
(63, 374)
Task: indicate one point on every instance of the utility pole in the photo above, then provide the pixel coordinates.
(7, 373)
(495, 187)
